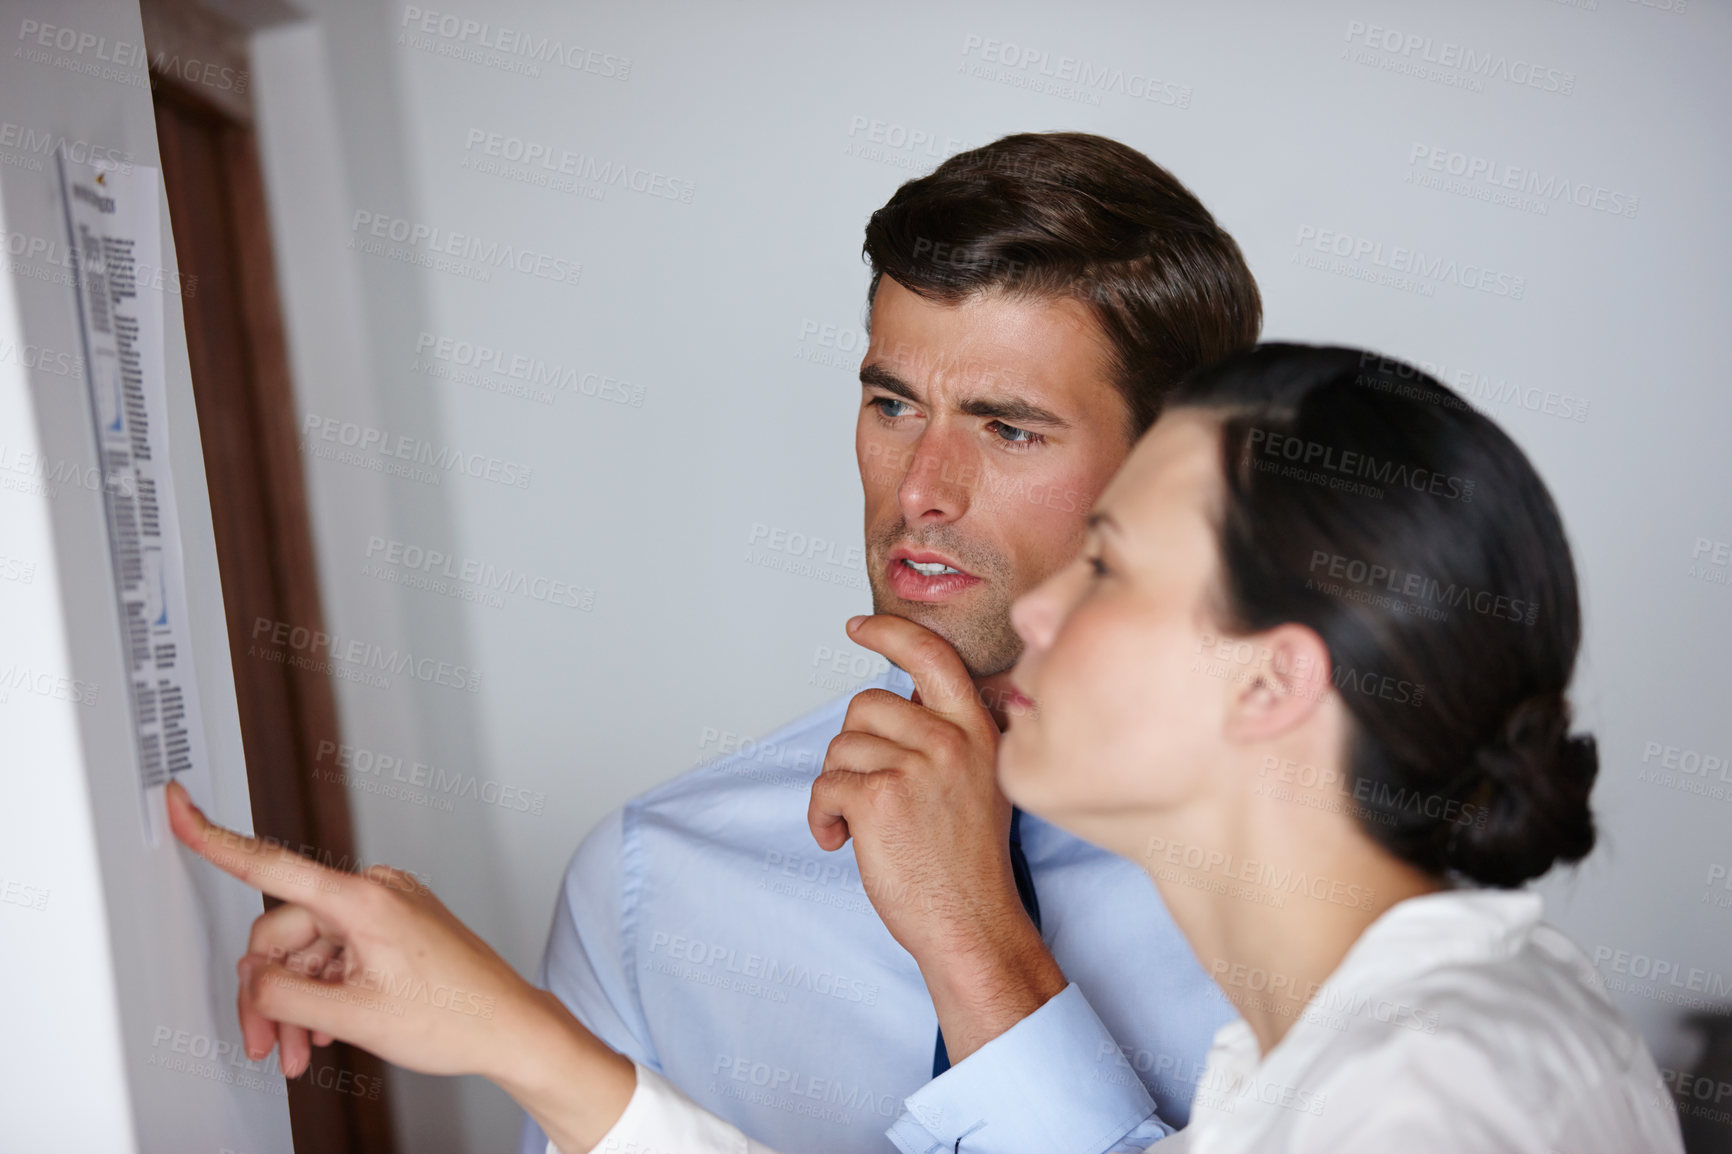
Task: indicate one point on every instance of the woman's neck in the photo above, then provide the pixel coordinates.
(1273, 898)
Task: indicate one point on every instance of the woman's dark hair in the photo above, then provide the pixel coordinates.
(1069, 214)
(1371, 503)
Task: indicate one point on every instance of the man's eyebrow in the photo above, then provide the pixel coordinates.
(883, 378)
(1014, 411)
(1011, 410)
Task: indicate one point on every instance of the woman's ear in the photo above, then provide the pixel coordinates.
(1289, 679)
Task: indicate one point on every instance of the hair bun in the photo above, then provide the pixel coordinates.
(1530, 798)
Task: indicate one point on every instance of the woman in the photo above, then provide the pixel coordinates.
(1310, 672)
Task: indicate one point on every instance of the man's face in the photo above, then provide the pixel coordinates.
(986, 429)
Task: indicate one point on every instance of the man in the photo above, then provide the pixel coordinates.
(1029, 303)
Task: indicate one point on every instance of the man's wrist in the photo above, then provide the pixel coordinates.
(983, 990)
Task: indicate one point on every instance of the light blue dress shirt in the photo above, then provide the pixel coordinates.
(701, 931)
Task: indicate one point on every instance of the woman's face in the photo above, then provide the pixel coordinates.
(1129, 704)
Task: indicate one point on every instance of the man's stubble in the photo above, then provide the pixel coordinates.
(979, 630)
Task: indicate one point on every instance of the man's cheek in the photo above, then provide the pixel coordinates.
(882, 461)
(1042, 539)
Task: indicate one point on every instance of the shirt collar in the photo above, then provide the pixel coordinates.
(1450, 927)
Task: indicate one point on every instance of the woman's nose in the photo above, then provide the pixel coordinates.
(1036, 614)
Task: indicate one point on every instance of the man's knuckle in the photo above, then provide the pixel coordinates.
(890, 788)
(932, 652)
(867, 702)
(948, 744)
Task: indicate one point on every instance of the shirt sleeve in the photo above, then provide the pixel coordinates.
(1054, 1083)
(661, 1120)
(587, 964)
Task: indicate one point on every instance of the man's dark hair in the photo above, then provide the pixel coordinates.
(1069, 214)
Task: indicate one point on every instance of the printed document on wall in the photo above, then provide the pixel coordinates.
(113, 222)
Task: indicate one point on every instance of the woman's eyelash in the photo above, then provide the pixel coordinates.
(1098, 565)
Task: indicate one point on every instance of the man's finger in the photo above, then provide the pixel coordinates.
(864, 754)
(940, 678)
(276, 870)
(890, 716)
(827, 812)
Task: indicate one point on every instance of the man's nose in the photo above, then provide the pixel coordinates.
(938, 484)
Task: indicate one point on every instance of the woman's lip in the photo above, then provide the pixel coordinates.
(914, 586)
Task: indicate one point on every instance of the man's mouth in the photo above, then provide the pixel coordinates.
(922, 575)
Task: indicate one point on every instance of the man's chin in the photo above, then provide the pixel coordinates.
(949, 619)
(960, 627)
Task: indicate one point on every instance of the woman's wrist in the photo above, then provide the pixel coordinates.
(563, 1076)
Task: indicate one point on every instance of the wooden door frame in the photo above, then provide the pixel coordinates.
(307, 810)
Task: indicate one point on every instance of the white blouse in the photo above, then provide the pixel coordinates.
(1457, 1022)
(660, 1119)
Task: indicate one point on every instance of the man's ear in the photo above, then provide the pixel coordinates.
(1288, 683)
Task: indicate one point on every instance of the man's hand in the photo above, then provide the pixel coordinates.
(913, 783)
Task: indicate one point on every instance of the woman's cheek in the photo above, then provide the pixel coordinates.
(1022, 765)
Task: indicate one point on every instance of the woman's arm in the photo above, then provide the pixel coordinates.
(376, 960)
(574, 1087)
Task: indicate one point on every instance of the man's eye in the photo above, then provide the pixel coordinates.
(884, 410)
(1012, 435)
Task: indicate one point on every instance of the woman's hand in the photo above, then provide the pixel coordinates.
(376, 960)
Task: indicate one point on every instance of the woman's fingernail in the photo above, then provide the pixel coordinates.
(187, 797)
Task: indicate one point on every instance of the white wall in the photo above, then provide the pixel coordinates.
(118, 971)
(1289, 121)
